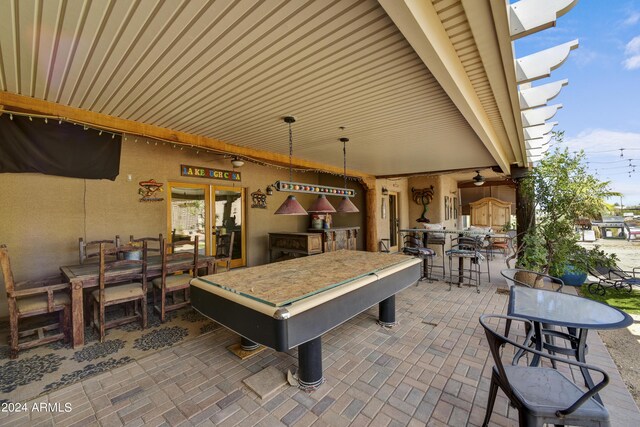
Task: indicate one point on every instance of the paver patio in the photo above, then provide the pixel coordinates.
(432, 368)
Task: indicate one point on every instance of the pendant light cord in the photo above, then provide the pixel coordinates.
(290, 153)
(344, 152)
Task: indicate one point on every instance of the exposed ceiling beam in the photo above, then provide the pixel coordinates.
(103, 121)
(419, 23)
(501, 22)
(483, 28)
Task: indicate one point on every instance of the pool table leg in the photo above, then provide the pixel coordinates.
(310, 364)
(387, 312)
(247, 345)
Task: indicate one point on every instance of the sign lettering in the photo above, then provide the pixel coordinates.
(202, 172)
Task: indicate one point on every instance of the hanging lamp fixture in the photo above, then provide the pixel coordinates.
(290, 206)
(237, 162)
(345, 206)
(321, 205)
(478, 180)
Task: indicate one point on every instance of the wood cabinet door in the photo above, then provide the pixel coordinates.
(480, 215)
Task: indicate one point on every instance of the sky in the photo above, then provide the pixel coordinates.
(601, 104)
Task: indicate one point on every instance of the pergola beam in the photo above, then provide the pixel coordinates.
(530, 16)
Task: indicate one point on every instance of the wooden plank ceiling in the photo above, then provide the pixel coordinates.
(230, 70)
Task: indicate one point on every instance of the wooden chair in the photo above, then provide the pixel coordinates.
(120, 271)
(176, 267)
(154, 244)
(36, 298)
(89, 251)
(224, 249)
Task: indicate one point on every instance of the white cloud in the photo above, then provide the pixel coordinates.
(632, 63)
(632, 51)
(584, 57)
(603, 139)
(632, 19)
(633, 47)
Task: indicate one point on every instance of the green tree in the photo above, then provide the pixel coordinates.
(563, 191)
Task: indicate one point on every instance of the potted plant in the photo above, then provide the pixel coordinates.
(576, 270)
(533, 257)
(562, 190)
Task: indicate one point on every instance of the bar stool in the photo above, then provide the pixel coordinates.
(464, 247)
(413, 246)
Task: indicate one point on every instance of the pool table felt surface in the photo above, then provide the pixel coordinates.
(302, 277)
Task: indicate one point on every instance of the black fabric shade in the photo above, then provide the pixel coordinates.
(61, 149)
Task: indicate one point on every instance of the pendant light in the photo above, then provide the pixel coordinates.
(321, 205)
(290, 206)
(346, 206)
(478, 180)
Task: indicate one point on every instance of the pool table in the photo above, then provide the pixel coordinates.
(293, 303)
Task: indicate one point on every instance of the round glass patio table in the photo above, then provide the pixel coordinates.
(571, 311)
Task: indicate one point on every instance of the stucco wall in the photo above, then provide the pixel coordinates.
(443, 185)
(43, 216)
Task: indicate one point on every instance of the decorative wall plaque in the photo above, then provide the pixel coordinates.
(148, 190)
(258, 200)
(422, 196)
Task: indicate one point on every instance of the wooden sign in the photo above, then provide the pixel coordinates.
(202, 172)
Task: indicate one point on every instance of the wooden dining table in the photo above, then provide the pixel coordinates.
(85, 276)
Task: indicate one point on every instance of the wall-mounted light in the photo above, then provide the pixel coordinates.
(269, 190)
(385, 192)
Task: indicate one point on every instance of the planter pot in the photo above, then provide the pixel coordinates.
(573, 277)
(529, 279)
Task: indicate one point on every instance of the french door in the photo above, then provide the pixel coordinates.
(207, 211)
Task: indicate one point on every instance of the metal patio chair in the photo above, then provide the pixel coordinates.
(540, 394)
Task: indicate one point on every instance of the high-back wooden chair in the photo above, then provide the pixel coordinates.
(178, 268)
(90, 251)
(224, 249)
(36, 298)
(120, 281)
(154, 244)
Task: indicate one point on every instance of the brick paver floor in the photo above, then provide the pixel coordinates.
(432, 368)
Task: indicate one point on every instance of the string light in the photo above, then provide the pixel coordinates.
(115, 133)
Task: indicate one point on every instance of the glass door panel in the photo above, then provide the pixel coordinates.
(393, 222)
(229, 217)
(189, 214)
